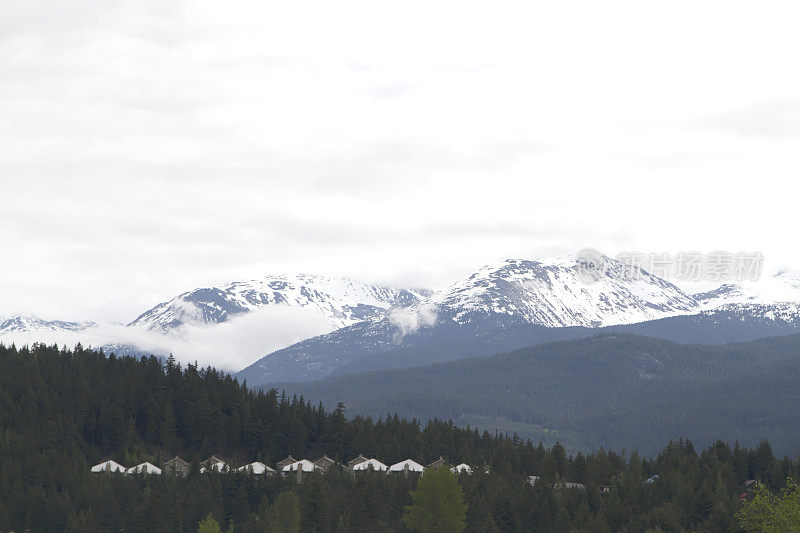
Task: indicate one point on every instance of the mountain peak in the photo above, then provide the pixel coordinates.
(340, 301)
(558, 293)
(20, 323)
(779, 289)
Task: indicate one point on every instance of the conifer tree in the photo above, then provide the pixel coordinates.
(438, 504)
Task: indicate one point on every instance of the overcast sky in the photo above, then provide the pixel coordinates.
(148, 148)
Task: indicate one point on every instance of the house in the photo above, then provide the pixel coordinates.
(747, 490)
(144, 468)
(463, 468)
(289, 460)
(405, 467)
(370, 464)
(438, 463)
(177, 467)
(256, 468)
(325, 462)
(213, 464)
(605, 489)
(532, 480)
(301, 468)
(651, 480)
(569, 485)
(353, 462)
(109, 466)
(304, 465)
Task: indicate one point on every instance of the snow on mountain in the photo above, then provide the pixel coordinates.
(33, 324)
(775, 298)
(542, 294)
(556, 294)
(340, 301)
(783, 287)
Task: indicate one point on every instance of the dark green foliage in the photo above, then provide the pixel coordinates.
(62, 411)
(209, 525)
(437, 504)
(284, 515)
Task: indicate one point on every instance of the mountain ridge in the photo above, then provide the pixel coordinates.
(524, 293)
(340, 301)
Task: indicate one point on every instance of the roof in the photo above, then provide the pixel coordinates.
(109, 466)
(286, 461)
(255, 468)
(218, 466)
(569, 485)
(439, 463)
(412, 465)
(359, 459)
(144, 468)
(303, 464)
(370, 464)
(211, 460)
(463, 467)
(176, 459)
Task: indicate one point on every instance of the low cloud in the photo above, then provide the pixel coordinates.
(410, 319)
(230, 346)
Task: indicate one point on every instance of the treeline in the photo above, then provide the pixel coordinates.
(62, 411)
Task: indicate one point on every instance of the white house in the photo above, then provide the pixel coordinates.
(109, 466)
(462, 468)
(370, 464)
(303, 465)
(409, 465)
(214, 464)
(256, 468)
(144, 468)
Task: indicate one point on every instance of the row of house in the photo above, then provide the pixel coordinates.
(113, 466)
(289, 466)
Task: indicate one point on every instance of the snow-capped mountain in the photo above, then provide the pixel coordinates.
(548, 295)
(558, 294)
(783, 287)
(33, 324)
(776, 298)
(340, 301)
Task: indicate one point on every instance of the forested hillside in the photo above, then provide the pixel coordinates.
(613, 390)
(62, 411)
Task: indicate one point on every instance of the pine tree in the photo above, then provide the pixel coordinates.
(284, 515)
(209, 525)
(438, 504)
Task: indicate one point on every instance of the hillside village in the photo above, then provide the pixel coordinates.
(289, 466)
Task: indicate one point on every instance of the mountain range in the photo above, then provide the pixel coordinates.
(34, 324)
(360, 327)
(341, 302)
(522, 303)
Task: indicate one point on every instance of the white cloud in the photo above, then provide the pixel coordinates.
(411, 318)
(230, 345)
(153, 147)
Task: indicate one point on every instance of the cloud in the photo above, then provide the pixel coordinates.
(230, 345)
(768, 119)
(411, 318)
(150, 148)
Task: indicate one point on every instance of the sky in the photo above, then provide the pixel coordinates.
(148, 148)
